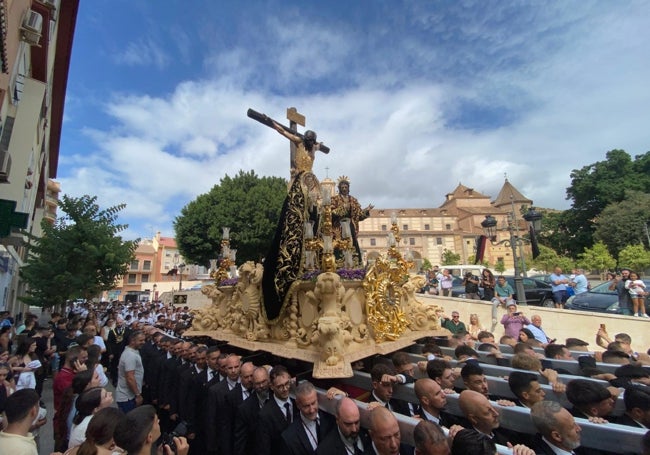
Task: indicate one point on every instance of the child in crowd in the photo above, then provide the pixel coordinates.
(636, 288)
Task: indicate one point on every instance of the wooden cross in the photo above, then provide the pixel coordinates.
(295, 119)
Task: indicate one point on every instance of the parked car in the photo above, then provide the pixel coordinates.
(538, 292)
(601, 300)
(546, 278)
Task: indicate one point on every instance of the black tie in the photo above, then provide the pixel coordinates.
(318, 430)
(387, 406)
(287, 408)
(357, 450)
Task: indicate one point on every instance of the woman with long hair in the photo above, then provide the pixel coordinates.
(94, 353)
(474, 326)
(83, 380)
(99, 434)
(88, 403)
(488, 282)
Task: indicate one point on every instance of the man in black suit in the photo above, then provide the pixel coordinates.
(484, 418)
(637, 407)
(247, 414)
(383, 380)
(233, 399)
(557, 429)
(204, 380)
(430, 439)
(526, 388)
(310, 427)
(432, 402)
(189, 387)
(590, 399)
(216, 416)
(440, 371)
(348, 438)
(277, 413)
(474, 379)
(212, 371)
(385, 434)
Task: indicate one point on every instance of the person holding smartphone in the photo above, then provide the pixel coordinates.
(513, 321)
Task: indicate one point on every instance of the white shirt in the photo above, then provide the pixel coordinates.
(555, 448)
(78, 432)
(310, 429)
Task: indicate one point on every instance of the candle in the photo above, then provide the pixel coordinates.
(327, 196)
(225, 251)
(309, 230)
(391, 239)
(347, 259)
(309, 260)
(327, 244)
(233, 271)
(233, 255)
(226, 233)
(213, 264)
(345, 228)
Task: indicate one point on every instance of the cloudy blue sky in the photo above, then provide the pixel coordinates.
(412, 97)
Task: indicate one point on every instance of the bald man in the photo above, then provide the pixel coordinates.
(348, 437)
(432, 402)
(385, 434)
(483, 418)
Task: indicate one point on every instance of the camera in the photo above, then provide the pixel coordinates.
(168, 438)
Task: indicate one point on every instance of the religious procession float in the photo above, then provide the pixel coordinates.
(311, 299)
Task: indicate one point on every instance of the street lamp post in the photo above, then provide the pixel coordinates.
(181, 266)
(489, 225)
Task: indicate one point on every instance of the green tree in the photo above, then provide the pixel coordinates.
(449, 257)
(597, 258)
(500, 266)
(596, 186)
(249, 205)
(635, 257)
(555, 233)
(80, 255)
(471, 259)
(548, 259)
(426, 265)
(623, 223)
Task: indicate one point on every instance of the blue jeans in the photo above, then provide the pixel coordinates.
(126, 406)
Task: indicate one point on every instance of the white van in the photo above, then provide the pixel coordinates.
(462, 269)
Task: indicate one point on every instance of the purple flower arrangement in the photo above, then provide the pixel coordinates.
(229, 282)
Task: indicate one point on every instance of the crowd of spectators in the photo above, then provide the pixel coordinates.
(188, 397)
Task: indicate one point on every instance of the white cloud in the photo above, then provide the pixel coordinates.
(143, 52)
(578, 90)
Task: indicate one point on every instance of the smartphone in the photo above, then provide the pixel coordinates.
(516, 314)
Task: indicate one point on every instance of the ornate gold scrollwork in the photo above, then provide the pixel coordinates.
(383, 286)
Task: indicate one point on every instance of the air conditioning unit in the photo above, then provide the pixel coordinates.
(32, 27)
(5, 166)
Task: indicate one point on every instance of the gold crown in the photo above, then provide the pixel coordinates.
(343, 178)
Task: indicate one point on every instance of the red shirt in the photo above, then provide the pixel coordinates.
(62, 381)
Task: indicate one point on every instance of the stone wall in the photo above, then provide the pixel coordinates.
(560, 324)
